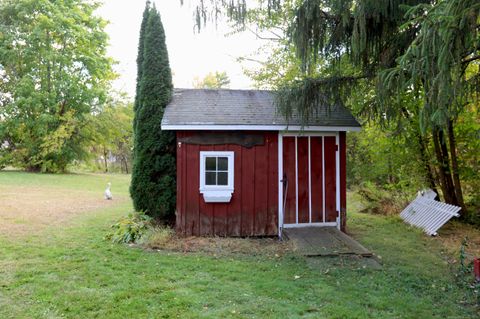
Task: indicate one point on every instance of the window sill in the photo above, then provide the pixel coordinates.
(217, 196)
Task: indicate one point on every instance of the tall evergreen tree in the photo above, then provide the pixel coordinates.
(141, 45)
(153, 177)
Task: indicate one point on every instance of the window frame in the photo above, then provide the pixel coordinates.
(217, 193)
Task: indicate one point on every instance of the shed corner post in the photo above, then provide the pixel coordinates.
(337, 178)
(343, 181)
(280, 184)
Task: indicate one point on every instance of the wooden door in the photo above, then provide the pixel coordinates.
(309, 180)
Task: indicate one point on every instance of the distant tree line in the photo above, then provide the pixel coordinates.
(213, 80)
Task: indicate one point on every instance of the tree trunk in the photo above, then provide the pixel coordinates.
(422, 145)
(105, 153)
(391, 178)
(456, 175)
(426, 164)
(49, 67)
(126, 165)
(441, 153)
(33, 168)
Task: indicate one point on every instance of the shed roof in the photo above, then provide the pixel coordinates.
(243, 110)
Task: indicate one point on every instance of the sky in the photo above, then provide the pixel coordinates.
(191, 54)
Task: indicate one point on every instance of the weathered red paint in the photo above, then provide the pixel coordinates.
(290, 170)
(330, 179)
(235, 208)
(476, 269)
(303, 192)
(343, 181)
(272, 187)
(289, 177)
(253, 209)
(317, 179)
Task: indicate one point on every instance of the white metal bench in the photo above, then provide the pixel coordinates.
(426, 213)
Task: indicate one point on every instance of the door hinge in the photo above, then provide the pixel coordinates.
(336, 147)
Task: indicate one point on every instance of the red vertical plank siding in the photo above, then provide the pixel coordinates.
(206, 210)
(248, 191)
(261, 188)
(303, 199)
(317, 179)
(220, 210)
(192, 184)
(290, 174)
(234, 213)
(272, 187)
(343, 181)
(330, 179)
(253, 209)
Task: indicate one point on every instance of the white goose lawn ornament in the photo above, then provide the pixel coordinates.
(108, 193)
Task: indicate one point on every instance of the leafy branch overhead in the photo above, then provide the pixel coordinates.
(373, 36)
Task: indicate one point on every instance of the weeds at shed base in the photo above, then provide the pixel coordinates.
(164, 238)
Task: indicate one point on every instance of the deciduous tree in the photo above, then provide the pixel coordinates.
(54, 72)
(217, 80)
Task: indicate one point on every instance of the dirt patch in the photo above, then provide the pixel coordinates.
(165, 239)
(452, 236)
(24, 210)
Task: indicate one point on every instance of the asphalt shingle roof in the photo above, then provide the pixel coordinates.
(240, 107)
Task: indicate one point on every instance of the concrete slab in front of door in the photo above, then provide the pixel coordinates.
(324, 241)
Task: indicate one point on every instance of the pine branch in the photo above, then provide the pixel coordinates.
(466, 61)
(252, 60)
(344, 79)
(278, 38)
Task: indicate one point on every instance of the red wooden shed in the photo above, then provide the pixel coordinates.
(242, 170)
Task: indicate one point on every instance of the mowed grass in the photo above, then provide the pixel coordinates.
(69, 270)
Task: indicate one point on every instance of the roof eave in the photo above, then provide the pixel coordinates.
(278, 127)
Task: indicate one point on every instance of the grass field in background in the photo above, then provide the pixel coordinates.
(57, 264)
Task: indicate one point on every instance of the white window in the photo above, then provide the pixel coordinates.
(216, 176)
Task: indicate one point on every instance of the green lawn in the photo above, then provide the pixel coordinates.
(68, 270)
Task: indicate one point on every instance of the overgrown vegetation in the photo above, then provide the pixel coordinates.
(146, 233)
(380, 201)
(465, 271)
(164, 238)
(130, 229)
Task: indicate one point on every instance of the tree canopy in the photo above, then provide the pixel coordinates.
(54, 73)
(213, 80)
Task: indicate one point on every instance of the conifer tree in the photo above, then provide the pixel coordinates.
(141, 44)
(153, 177)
